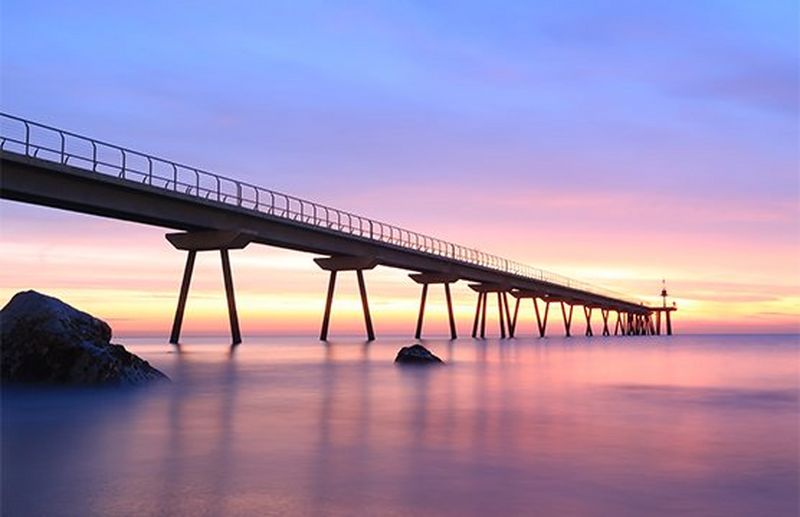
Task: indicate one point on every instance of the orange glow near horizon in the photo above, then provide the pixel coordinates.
(128, 275)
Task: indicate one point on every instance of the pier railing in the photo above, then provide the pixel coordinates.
(48, 143)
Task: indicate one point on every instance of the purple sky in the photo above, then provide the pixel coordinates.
(501, 126)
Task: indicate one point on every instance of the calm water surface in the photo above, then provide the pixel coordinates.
(603, 426)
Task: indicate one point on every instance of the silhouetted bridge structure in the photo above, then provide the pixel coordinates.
(47, 166)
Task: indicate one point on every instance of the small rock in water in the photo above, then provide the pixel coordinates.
(416, 354)
(45, 341)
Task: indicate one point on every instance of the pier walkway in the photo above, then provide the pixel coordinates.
(204, 211)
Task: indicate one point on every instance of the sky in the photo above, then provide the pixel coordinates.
(616, 142)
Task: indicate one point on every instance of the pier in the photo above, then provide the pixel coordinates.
(203, 211)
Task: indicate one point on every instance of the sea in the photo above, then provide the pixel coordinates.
(704, 425)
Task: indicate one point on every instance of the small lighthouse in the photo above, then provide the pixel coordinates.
(666, 310)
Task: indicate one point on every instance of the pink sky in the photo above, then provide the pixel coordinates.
(728, 271)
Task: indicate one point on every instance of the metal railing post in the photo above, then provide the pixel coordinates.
(27, 139)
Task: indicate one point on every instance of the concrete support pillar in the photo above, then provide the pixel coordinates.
(669, 323)
(187, 279)
(326, 317)
(514, 318)
(477, 315)
(418, 333)
(503, 311)
(500, 315)
(347, 263)
(658, 323)
(604, 313)
(192, 242)
(587, 311)
(541, 323)
(507, 314)
(567, 319)
(450, 315)
(362, 289)
(483, 316)
(233, 316)
(435, 278)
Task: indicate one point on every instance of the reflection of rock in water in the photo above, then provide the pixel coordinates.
(47, 341)
(416, 354)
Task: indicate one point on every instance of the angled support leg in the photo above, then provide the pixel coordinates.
(567, 319)
(233, 316)
(604, 314)
(365, 305)
(587, 311)
(326, 317)
(617, 325)
(452, 319)
(236, 336)
(179, 310)
(508, 315)
(483, 315)
(514, 319)
(541, 323)
(501, 315)
(477, 320)
(418, 334)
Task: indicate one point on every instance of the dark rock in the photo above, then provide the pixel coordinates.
(45, 341)
(416, 354)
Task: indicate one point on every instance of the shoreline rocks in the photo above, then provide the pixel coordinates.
(416, 354)
(46, 341)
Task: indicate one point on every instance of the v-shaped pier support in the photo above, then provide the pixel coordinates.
(503, 311)
(346, 263)
(213, 240)
(435, 278)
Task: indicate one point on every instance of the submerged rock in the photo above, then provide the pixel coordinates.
(45, 341)
(416, 354)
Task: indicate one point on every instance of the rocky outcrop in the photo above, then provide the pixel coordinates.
(416, 354)
(45, 341)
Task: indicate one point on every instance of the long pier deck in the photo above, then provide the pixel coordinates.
(47, 166)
